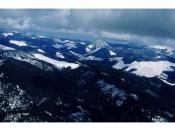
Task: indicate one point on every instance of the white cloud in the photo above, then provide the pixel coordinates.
(139, 39)
(134, 25)
(17, 23)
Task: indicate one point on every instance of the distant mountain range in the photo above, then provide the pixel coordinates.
(64, 80)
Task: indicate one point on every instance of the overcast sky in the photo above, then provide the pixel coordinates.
(147, 26)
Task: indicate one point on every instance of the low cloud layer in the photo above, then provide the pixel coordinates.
(148, 26)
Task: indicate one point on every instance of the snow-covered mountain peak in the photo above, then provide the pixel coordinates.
(98, 44)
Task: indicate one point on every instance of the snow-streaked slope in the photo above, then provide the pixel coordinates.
(97, 49)
(98, 44)
(111, 90)
(150, 68)
(21, 56)
(7, 34)
(18, 43)
(2, 47)
(58, 64)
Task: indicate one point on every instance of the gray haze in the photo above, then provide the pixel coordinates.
(146, 26)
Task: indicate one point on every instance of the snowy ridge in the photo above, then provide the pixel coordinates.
(26, 58)
(6, 47)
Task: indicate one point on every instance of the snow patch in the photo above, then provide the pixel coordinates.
(7, 34)
(18, 43)
(112, 53)
(88, 50)
(58, 54)
(40, 50)
(82, 43)
(90, 46)
(120, 63)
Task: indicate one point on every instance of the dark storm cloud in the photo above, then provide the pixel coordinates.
(107, 23)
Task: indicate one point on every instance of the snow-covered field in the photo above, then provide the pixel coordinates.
(150, 68)
(147, 69)
(18, 43)
(58, 64)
